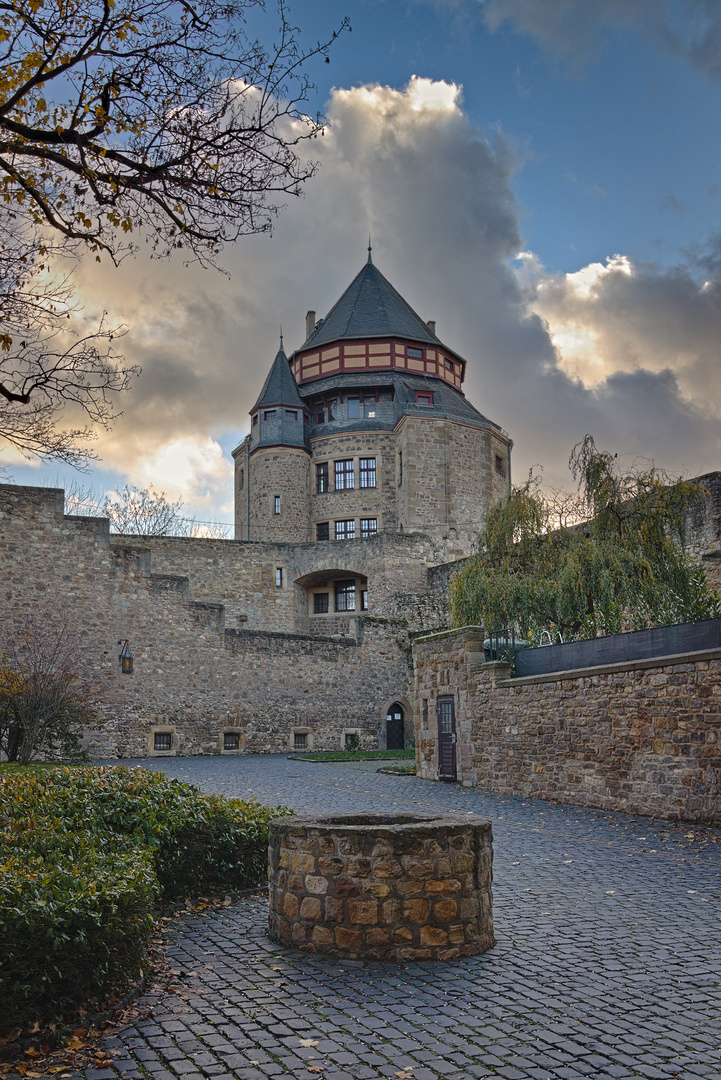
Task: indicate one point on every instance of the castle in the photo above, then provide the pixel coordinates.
(365, 474)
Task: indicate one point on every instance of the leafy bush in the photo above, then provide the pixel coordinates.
(84, 854)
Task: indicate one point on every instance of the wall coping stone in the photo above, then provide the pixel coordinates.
(473, 631)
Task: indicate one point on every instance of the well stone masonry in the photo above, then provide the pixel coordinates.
(641, 736)
(382, 886)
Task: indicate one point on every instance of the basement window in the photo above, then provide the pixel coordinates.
(300, 740)
(231, 740)
(163, 740)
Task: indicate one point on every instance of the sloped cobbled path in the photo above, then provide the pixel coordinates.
(607, 963)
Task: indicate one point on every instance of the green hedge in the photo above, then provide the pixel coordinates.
(84, 855)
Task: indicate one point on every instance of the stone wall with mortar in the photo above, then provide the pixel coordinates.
(642, 736)
(382, 886)
(214, 643)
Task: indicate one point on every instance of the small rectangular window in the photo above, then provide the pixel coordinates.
(369, 527)
(163, 740)
(320, 603)
(369, 409)
(417, 353)
(331, 409)
(400, 467)
(241, 479)
(255, 419)
(276, 504)
(424, 397)
(345, 595)
(500, 465)
(322, 531)
(449, 365)
(279, 577)
(291, 414)
(354, 408)
(300, 740)
(269, 415)
(320, 415)
(344, 478)
(321, 478)
(345, 530)
(367, 472)
(231, 740)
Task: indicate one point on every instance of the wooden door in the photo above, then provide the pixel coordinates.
(446, 738)
(394, 728)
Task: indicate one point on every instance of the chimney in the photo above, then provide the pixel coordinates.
(309, 323)
(431, 324)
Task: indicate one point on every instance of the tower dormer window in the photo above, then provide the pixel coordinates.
(424, 398)
(291, 414)
(354, 408)
(269, 414)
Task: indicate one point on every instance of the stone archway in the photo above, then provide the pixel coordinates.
(396, 729)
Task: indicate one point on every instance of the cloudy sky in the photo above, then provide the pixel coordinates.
(541, 177)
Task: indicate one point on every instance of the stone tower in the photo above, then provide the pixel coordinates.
(390, 442)
(272, 465)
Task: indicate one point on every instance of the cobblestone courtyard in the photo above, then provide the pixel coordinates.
(607, 962)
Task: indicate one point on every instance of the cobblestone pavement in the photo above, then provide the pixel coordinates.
(607, 963)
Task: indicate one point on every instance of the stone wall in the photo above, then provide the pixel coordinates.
(382, 886)
(214, 640)
(641, 736)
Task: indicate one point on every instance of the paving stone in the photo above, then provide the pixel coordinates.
(581, 983)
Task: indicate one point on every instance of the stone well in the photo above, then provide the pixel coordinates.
(382, 886)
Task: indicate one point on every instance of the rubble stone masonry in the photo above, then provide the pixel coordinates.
(641, 736)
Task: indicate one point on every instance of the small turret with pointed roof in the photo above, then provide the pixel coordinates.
(278, 416)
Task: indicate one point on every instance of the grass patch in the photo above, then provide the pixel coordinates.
(356, 755)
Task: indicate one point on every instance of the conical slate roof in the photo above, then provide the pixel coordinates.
(280, 387)
(371, 307)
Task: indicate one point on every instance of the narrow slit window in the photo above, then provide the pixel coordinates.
(321, 478)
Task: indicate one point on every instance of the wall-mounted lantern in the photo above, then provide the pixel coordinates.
(125, 658)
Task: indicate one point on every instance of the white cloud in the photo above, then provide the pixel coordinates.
(618, 350)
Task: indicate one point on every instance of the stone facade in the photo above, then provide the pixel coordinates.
(376, 402)
(641, 736)
(382, 886)
(219, 648)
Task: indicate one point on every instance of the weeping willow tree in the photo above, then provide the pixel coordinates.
(610, 557)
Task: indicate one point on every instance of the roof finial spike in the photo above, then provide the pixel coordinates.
(281, 336)
(370, 250)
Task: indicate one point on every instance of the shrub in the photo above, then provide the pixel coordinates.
(84, 853)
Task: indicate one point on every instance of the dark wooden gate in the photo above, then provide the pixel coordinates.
(446, 738)
(394, 728)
